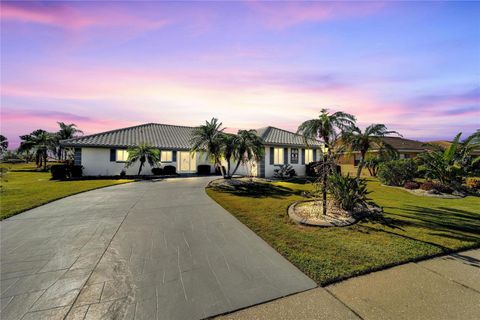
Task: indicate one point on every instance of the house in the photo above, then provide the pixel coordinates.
(406, 148)
(105, 153)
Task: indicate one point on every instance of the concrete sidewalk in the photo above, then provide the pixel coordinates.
(442, 288)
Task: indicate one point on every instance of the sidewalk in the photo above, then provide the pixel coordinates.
(442, 288)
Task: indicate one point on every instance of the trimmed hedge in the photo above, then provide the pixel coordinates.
(65, 171)
(157, 171)
(169, 170)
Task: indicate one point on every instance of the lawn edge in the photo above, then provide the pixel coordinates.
(59, 198)
(359, 273)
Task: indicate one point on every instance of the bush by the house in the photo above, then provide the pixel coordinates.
(123, 173)
(203, 169)
(76, 171)
(312, 169)
(169, 170)
(157, 171)
(473, 183)
(65, 171)
(347, 192)
(60, 172)
(431, 185)
(397, 172)
(284, 171)
(411, 185)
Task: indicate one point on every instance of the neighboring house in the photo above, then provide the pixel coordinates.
(406, 149)
(105, 153)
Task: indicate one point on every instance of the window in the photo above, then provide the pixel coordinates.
(122, 155)
(166, 156)
(293, 155)
(308, 155)
(356, 160)
(278, 156)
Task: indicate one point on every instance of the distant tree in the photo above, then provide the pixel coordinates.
(67, 131)
(3, 143)
(40, 142)
(208, 138)
(326, 128)
(143, 153)
(363, 141)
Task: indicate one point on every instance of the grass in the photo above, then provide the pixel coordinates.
(23, 188)
(412, 228)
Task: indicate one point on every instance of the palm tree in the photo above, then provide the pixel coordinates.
(229, 145)
(326, 127)
(39, 141)
(3, 143)
(67, 131)
(208, 138)
(364, 141)
(248, 146)
(143, 153)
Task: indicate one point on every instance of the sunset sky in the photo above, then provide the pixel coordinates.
(103, 65)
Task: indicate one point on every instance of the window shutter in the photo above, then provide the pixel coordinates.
(272, 155)
(113, 155)
(303, 156)
(285, 155)
(314, 155)
(174, 155)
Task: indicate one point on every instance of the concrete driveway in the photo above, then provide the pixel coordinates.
(145, 250)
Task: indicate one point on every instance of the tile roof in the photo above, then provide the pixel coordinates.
(166, 136)
(162, 136)
(276, 136)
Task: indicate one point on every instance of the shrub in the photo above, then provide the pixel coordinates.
(284, 171)
(157, 171)
(60, 172)
(312, 169)
(169, 170)
(431, 185)
(76, 171)
(347, 192)
(397, 172)
(123, 173)
(204, 169)
(411, 185)
(473, 183)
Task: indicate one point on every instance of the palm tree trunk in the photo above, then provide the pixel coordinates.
(324, 187)
(140, 168)
(228, 168)
(45, 160)
(236, 167)
(360, 165)
(219, 164)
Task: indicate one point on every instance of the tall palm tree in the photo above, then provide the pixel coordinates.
(143, 153)
(3, 143)
(208, 138)
(39, 141)
(364, 141)
(67, 131)
(248, 146)
(326, 127)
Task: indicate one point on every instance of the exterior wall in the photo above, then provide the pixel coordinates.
(96, 162)
(300, 168)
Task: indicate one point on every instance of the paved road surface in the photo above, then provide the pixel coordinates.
(145, 250)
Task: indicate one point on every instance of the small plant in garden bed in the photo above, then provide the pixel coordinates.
(284, 171)
(411, 185)
(431, 185)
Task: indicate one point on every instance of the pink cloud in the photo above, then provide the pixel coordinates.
(75, 17)
(281, 15)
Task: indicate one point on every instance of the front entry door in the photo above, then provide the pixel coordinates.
(187, 162)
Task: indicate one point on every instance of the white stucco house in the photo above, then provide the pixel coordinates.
(105, 153)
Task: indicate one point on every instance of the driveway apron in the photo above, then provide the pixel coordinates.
(145, 250)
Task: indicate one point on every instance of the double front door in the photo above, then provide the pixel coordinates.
(187, 162)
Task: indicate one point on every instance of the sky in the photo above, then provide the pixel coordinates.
(413, 66)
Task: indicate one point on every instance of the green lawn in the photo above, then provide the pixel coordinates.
(412, 228)
(22, 188)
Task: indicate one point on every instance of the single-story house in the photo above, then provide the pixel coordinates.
(105, 153)
(406, 148)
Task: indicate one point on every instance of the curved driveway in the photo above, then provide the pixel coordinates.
(145, 250)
